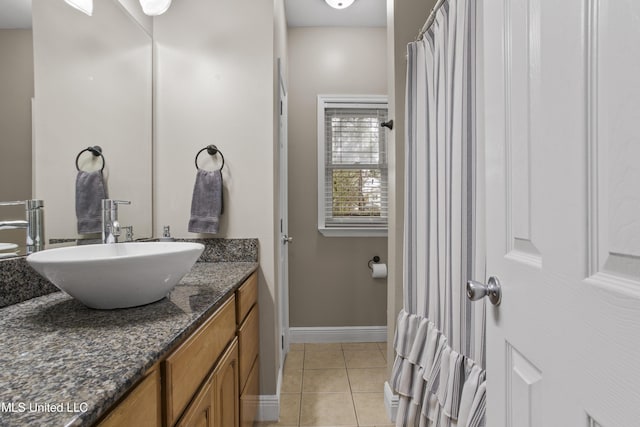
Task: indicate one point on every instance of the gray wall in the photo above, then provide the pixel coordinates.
(329, 281)
(16, 90)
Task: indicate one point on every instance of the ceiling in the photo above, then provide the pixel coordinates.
(300, 13)
(316, 13)
(15, 14)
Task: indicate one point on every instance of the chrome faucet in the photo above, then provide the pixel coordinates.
(34, 223)
(110, 226)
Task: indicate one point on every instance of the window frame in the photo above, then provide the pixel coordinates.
(360, 228)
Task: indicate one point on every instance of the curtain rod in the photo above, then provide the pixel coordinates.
(430, 19)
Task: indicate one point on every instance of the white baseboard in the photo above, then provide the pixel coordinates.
(269, 405)
(338, 334)
(390, 402)
(268, 408)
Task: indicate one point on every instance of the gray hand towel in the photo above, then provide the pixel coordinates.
(207, 203)
(90, 190)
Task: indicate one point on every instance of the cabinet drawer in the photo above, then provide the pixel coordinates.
(187, 367)
(247, 296)
(248, 338)
(141, 407)
(249, 397)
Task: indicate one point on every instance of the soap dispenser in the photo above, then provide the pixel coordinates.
(166, 235)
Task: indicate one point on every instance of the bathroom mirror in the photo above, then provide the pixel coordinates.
(91, 82)
(16, 91)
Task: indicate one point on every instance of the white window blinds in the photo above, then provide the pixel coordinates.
(352, 153)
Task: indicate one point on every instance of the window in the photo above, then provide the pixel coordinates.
(352, 166)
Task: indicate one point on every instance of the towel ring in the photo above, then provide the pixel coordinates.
(212, 150)
(96, 150)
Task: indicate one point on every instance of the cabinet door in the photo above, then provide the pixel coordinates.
(226, 394)
(201, 412)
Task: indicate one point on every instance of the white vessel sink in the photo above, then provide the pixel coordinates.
(117, 275)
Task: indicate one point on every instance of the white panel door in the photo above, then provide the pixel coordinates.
(560, 114)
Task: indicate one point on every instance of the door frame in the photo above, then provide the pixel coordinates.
(282, 220)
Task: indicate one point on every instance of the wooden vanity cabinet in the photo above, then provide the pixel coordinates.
(248, 341)
(211, 379)
(225, 395)
(201, 412)
(187, 367)
(225, 390)
(141, 407)
(216, 404)
(247, 297)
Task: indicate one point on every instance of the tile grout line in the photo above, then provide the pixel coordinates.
(304, 356)
(353, 401)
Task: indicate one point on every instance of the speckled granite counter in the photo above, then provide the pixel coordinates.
(62, 356)
(19, 282)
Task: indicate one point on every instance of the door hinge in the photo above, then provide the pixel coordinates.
(280, 107)
(282, 341)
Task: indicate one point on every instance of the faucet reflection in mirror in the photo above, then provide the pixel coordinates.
(34, 223)
(149, 7)
(111, 228)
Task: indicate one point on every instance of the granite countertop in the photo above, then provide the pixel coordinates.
(62, 363)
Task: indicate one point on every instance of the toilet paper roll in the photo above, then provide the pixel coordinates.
(379, 271)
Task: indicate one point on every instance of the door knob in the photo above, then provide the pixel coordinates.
(287, 239)
(477, 290)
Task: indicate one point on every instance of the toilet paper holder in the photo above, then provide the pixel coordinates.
(374, 260)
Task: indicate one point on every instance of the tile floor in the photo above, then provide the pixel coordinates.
(333, 385)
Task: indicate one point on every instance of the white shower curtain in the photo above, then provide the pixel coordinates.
(439, 368)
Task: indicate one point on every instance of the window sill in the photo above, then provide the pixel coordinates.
(353, 232)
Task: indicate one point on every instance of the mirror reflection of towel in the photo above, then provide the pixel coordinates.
(90, 190)
(207, 203)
